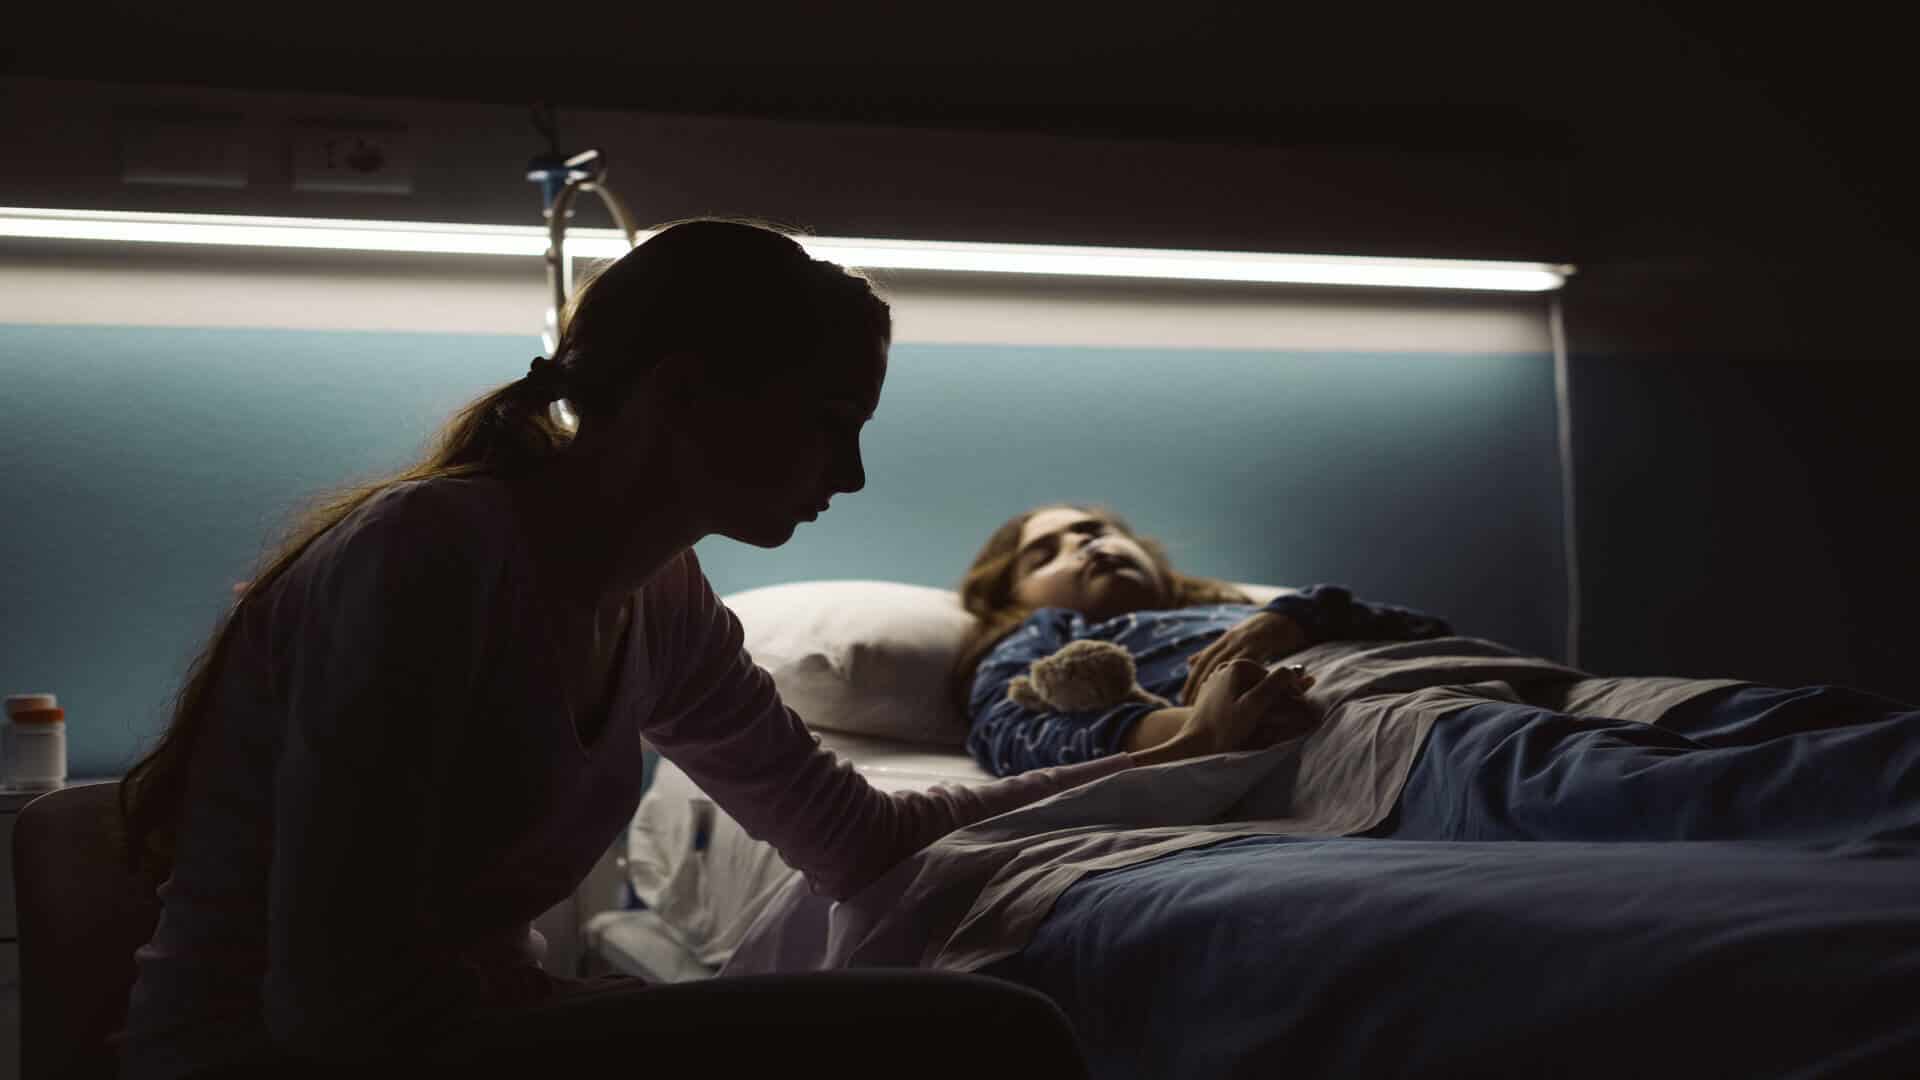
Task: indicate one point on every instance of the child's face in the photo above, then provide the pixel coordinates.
(1068, 558)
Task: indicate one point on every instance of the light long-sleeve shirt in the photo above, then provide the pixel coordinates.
(1007, 738)
(390, 786)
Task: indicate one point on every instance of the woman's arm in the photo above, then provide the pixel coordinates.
(1007, 738)
(723, 723)
(384, 650)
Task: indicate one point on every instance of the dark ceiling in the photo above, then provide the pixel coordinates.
(1472, 75)
(1527, 79)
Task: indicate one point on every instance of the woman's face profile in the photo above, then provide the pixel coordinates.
(777, 454)
(1069, 558)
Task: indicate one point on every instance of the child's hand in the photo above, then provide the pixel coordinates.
(1243, 707)
(1262, 637)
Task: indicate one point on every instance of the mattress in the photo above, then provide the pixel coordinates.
(696, 881)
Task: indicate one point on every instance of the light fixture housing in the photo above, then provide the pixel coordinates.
(339, 234)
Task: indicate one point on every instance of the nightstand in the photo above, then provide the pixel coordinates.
(10, 804)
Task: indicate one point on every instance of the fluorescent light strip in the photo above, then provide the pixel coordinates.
(435, 238)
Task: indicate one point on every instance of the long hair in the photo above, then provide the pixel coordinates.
(987, 591)
(742, 295)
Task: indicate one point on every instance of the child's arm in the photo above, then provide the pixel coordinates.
(1007, 738)
(1330, 613)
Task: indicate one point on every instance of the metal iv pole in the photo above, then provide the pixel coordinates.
(562, 177)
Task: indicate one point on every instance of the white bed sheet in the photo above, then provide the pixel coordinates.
(704, 880)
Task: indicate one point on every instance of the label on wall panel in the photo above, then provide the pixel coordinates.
(353, 160)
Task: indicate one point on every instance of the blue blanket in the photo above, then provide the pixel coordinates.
(1809, 765)
(1728, 885)
(1358, 957)
(1734, 891)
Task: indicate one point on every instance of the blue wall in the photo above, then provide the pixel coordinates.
(145, 469)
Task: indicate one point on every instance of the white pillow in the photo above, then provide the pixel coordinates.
(868, 657)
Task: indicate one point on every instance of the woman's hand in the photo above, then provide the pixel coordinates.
(1242, 707)
(1262, 637)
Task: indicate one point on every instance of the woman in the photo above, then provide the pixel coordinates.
(421, 724)
(1568, 757)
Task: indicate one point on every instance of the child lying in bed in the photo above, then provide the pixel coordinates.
(1059, 574)
(1517, 747)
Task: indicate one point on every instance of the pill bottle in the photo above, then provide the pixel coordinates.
(33, 753)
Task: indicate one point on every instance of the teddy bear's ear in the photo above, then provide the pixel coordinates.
(1116, 655)
(1021, 692)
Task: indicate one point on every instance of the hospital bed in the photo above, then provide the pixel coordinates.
(693, 882)
(864, 663)
(1300, 954)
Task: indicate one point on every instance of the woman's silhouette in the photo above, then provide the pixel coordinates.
(421, 723)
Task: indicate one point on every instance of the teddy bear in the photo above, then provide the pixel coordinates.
(1082, 676)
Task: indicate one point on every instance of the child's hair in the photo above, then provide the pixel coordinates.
(743, 296)
(987, 591)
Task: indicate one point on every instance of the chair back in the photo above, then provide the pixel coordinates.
(82, 913)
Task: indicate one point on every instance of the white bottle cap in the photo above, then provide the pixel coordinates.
(20, 703)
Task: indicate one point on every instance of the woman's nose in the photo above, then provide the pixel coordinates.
(850, 475)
